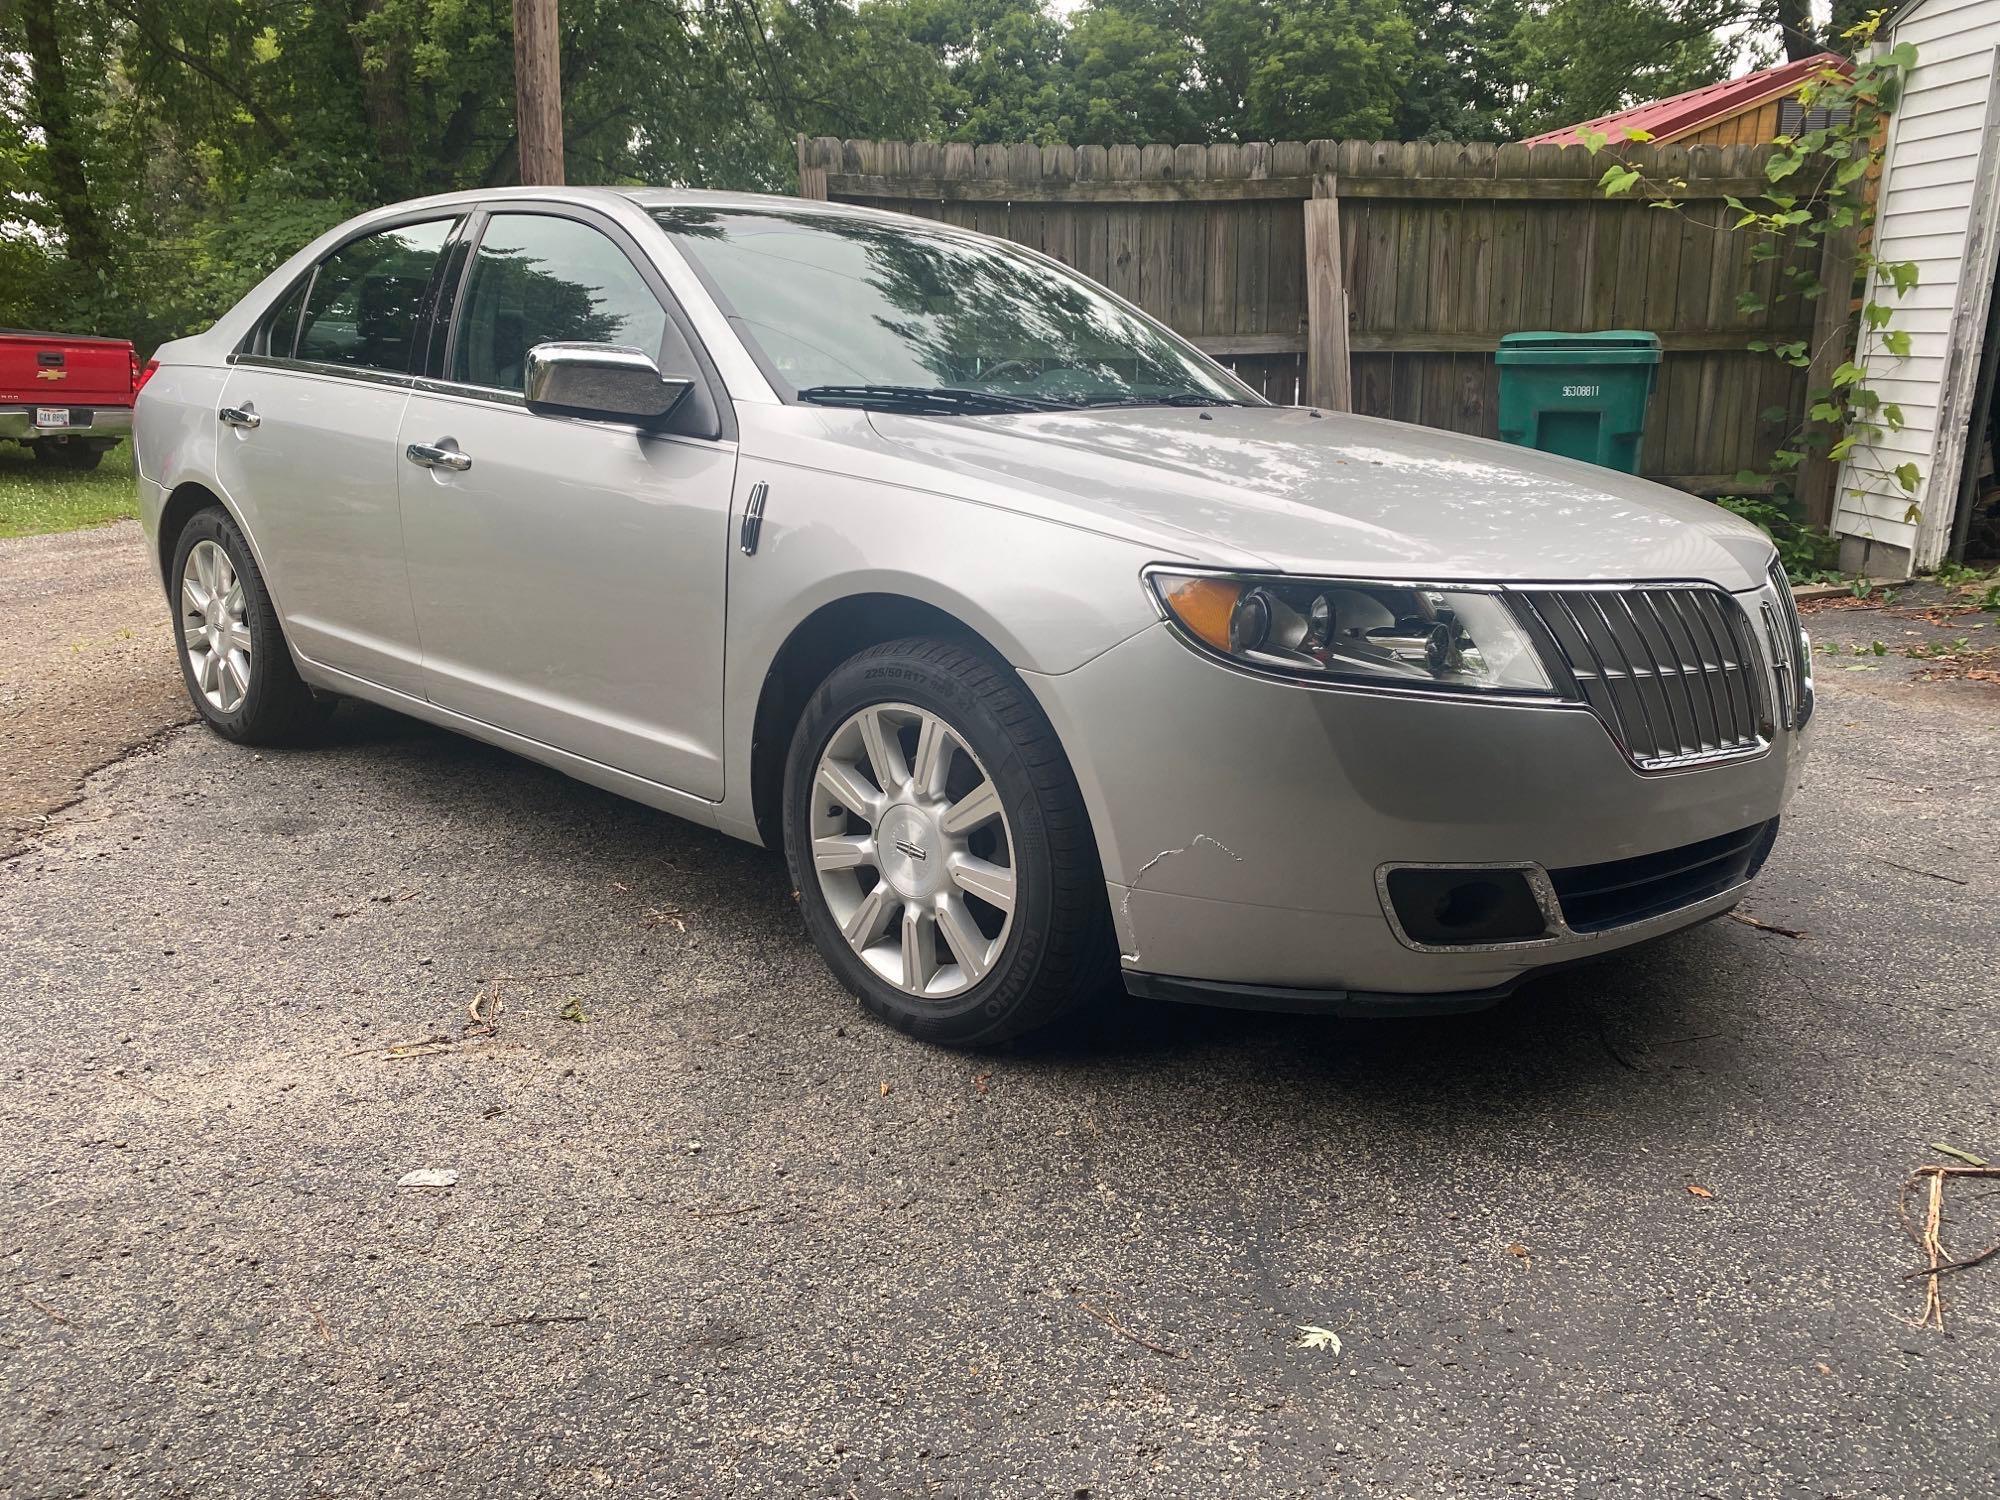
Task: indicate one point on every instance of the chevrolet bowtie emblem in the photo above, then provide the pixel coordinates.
(51, 374)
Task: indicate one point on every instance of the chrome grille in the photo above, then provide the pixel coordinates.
(1670, 670)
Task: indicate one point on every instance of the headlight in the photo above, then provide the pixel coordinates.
(1401, 635)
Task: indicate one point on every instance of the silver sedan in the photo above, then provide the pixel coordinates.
(1050, 654)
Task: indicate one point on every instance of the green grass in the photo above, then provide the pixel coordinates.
(37, 498)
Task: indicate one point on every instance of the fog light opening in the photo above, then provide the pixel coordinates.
(1470, 904)
(1465, 907)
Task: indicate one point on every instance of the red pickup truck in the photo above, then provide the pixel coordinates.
(68, 396)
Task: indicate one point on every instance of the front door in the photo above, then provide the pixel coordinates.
(306, 450)
(567, 575)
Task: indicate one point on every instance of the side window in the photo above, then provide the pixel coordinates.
(537, 279)
(367, 298)
(277, 335)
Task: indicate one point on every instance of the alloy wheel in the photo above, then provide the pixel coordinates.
(912, 850)
(215, 631)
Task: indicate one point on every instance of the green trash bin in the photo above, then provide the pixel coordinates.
(1582, 395)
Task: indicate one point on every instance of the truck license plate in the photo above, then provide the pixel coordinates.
(52, 416)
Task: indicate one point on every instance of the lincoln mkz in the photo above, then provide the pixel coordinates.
(1050, 654)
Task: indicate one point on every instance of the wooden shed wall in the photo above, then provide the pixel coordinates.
(1937, 191)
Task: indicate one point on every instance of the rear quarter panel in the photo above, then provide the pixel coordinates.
(173, 438)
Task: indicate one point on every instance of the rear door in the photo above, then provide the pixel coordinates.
(569, 578)
(307, 449)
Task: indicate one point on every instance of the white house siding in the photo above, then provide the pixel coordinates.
(1938, 148)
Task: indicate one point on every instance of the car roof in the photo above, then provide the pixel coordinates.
(649, 198)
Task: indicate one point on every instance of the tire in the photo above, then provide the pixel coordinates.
(73, 454)
(1052, 949)
(274, 707)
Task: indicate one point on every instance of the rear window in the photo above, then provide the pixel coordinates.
(278, 333)
(367, 298)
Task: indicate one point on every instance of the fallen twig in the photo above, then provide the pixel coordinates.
(485, 1017)
(43, 1308)
(1955, 1265)
(1913, 870)
(399, 1049)
(724, 1213)
(320, 1323)
(1123, 1332)
(1962, 1155)
(1762, 926)
(1930, 1238)
(662, 916)
(1934, 1247)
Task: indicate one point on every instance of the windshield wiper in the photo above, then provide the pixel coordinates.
(1176, 398)
(941, 400)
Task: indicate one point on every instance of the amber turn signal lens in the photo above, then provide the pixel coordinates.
(1204, 606)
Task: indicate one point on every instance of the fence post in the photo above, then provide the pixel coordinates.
(812, 180)
(1831, 345)
(1329, 382)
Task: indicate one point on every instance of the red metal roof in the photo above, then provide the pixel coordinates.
(1683, 114)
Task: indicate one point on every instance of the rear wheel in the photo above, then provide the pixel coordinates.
(938, 842)
(238, 670)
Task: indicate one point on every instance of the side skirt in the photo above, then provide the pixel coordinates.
(596, 773)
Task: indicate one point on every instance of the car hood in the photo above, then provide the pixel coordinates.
(1283, 488)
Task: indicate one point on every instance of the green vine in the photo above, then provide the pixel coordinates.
(1820, 185)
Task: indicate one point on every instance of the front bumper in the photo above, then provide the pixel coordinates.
(110, 422)
(1244, 824)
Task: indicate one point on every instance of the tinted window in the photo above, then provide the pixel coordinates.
(831, 300)
(367, 298)
(538, 279)
(279, 331)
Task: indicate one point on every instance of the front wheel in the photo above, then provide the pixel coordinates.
(944, 863)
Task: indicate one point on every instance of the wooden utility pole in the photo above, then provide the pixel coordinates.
(538, 91)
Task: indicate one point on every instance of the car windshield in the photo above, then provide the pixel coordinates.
(868, 312)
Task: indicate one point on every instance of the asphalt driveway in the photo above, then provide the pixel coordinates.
(86, 665)
(713, 1233)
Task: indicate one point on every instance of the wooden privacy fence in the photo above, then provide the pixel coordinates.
(1441, 250)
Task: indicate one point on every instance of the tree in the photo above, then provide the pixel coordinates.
(1464, 79)
(1129, 78)
(1582, 58)
(158, 156)
(56, 114)
(1302, 69)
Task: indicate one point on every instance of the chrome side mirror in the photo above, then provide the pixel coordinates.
(609, 382)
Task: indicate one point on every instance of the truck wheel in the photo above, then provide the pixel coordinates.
(944, 863)
(68, 455)
(233, 655)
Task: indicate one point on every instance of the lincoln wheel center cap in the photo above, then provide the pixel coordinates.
(910, 851)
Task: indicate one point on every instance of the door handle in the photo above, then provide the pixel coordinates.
(433, 456)
(244, 416)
